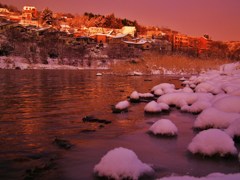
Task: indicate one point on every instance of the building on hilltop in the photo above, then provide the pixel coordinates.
(180, 42)
(29, 16)
(129, 30)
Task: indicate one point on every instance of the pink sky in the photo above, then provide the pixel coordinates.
(218, 18)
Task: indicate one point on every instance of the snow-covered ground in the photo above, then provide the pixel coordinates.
(215, 95)
(212, 176)
(13, 62)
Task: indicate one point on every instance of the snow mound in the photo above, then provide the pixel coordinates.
(228, 104)
(121, 163)
(215, 118)
(164, 127)
(209, 87)
(134, 96)
(154, 107)
(234, 128)
(122, 105)
(211, 142)
(229, 68)
(191, 102)
(212, 176)
(163, 88)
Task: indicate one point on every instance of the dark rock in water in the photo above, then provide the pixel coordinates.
(17, 68)
(166, 136)
(93, 120)
(88, 130)
(115, 110)
(21, 159)
(163, 112)
(62, 143)
(134, 100)
(37, 171)
(35, 156)
(147, 80)
(101, 126)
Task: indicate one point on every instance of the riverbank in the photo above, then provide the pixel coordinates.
(149, 64)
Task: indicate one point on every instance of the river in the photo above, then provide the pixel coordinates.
(36, 106)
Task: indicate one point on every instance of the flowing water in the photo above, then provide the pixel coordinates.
(36, 106)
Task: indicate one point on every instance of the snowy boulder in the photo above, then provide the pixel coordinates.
(181, 99)
(211, 142)
(229, 68)
(228, 104)
(212, 176)
(147, 96)
(154, 107)
(209, 87)
(214, 118)
(163, 127)
(122, 163)
(234, 128)
(122, 106)
(134, 97)
(187, 89)
(163, 88)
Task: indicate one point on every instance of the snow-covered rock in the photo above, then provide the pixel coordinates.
(212, 117)
(121, 106)
(228, 104)
(212, 176)
(212, 141)
(154, 107)
(198, 101)
(121, 163)
(164, 127)
(134, 97)
(234, 128)
(163, 88)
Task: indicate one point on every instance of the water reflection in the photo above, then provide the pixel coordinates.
(38, 105)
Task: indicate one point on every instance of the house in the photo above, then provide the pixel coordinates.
(119, 38)
(4, 11)
(29, 16)
(6, 26)
(85, 40)
(141, 44)
(101, 38)
(204, 44)
(129, 30)
(180, 41)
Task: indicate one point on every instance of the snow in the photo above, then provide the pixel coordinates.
(212, 176)
(163, 88)
(215, 118)
(164, 127)
(191, 102)
(234, 128)
(121, 163)
(212, 141)
(122, 105)
(228, 104)
(99, 74)
(134, 95)
(154, 107)
(145, 95)
(229, 68)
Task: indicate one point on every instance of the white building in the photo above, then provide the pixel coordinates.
(129, 30)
